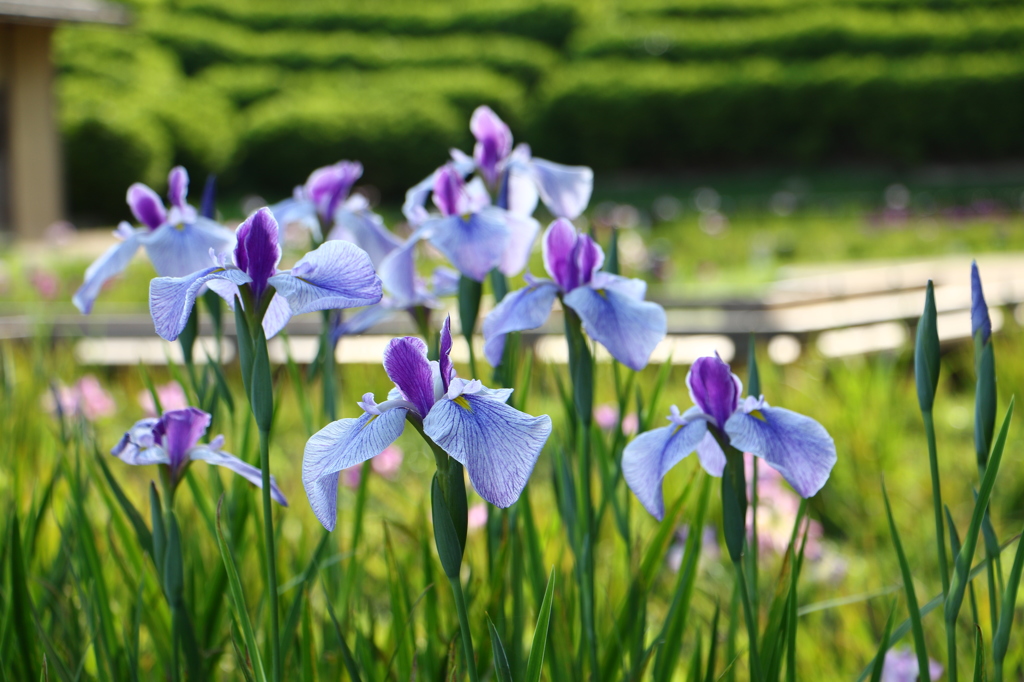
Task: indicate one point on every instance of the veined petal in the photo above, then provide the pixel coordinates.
(525, 309)
(364, 319)
(559, 248)
(398, 274)
(339, 445)
(565, 190)
(414, 207)
(276, 318)
(711, 456)
(520, 190)
(714, 388)
(110, 264)
(405, 361)
(444, 363)
(140, 445)
(302, 211)
(182, 430)
(177, 251)
(628, 328)
(474, 244)
(796, 446)
(493, 141)
(177, 187)
(328, 186)
(497, 444)
(449, 191)
(245, 470)
(146, 206)
(652, 454)
(355, 222)
(258, 250)
(523, 232)
(336, 275)
(171, 298)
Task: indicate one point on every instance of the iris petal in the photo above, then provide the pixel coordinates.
(110, 264)
(337, 275)
(652, 454)
(182, 429)
(527, 308)
(340, 445)
(565, 190)
(474, 244)
(171, 298)
(523, 232)
(405, 361)
(628, 328)
(714, 388)
(497, 444)
(146, 206)
(180, 250)
(796, 446)
(243, 469)
(356, 223)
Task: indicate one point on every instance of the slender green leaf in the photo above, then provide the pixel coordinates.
(1001, 639)
(142, 533)
(979, 656)
(346, 653)
(879, 663)
(501, 668)
(540, 634)
(21, 603)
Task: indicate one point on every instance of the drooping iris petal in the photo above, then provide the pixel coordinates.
(182, 429)
(523, 232)
(474, 244)
(340, 445)
(714, 388)
(445, 368)
(565, 190)
(336, 275)
(171, 298)
(110, 264)
(520, 190)
(497, 444)
(405, 361)
(297, 210)
(493, 141)
(979, 309)
(559, 249)
(146, 206)
(140, 444)
(711, 456)
(651, 455)
(243, 469)
(527, 308)
(177, 187)
(796, 446)
(176, 251)
(589, 257)
(258, 250)
(628, 328)
(363, 320)
(414, 206)
(356, 223)
(398, 273)
(276, 317)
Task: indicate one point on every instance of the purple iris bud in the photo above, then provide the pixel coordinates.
(450, 191)
(336, 275)
(257, 252)
(980, 320)
(177, 242)
(328, 187)
(146, 206)
(796, 446)
(612, 308)
(173, 440)
(497, 444)
(493, 142)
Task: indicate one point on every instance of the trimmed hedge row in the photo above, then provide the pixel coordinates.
(858, 108)
(740, 8)
(806, 35)
(547, 21)
(201, 42)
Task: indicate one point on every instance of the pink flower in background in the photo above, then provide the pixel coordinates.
(45, 283)
(901, 666)
(86, 398)
(777, 507)
(477, 516)
(352, 476)
(606, 416)
(630, 424)
(388, 462)
(172, 397)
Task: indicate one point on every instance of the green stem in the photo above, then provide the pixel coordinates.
(951, 653)
(940, 539)
(268, 539)
(467, 638)
(751, 621)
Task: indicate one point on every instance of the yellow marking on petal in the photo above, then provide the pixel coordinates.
(602, 293)
(756, 414)
(180, 226)
(674, 432)
(368, 421)
(463, 403)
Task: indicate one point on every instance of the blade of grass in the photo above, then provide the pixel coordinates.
(540, 633)
(879, 663)
(908, 587)
(979, 657)
(346, 653)
(1001, 639)
(501, 670)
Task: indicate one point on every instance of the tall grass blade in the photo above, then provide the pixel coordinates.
(979, 657)
(879, 663)
(502, 672)
(908, 587)
(346, 653)
(1001, 638)
(21, 603)
(540, 633)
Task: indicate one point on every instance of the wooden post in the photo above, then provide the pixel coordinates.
(34, 168)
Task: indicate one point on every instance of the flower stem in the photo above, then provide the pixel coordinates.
(750, 618)
(268, 539)
(467, 638)
(940, 534)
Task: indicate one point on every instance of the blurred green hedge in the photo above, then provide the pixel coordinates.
(263, 91)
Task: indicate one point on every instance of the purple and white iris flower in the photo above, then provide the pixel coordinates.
(497, 444)
(796, 446)
(475, 236)
(404, 290)
(177, 241)
(326, 200)
(518, 178)
(336, 275)
(173, 441)
(612, 308)
(901, 665)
